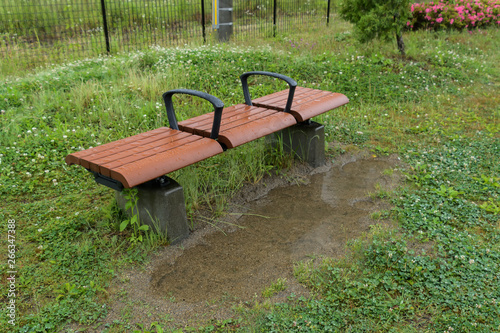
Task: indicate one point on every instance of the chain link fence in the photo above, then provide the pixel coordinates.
(36, 32)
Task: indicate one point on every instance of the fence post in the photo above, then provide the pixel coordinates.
(225, 20)
(105, 24)
(328, 13)
(203, 20)
(274, 17)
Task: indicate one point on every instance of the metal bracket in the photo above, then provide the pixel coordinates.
(160, 181)
(118, 186)
(106, 181)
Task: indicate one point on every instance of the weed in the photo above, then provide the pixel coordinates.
(131, 206)
(491, 206)
(154, 327)
(447, 192)
(274, 288)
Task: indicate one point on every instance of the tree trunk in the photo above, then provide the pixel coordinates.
(401, 44)
(399, 37)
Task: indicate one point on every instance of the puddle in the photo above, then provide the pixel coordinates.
(212, 271)
(290, 224)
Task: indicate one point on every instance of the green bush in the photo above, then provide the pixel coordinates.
(377, 19)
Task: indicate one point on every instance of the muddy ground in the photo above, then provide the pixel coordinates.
(269, 227)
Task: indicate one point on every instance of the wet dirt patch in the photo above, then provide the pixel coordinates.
(258, 242)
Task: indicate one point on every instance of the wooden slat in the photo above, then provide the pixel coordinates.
(143, 170)
(278, 100)
(74, 158)
(125, 157)
(207, 118)
(235, 116)
(129, 160)
(307, 102)
(240, 124)
(258, 128)
(115, 152)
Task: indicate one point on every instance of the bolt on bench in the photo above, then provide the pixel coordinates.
(143, 160)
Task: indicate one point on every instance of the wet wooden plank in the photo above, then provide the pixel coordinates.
(153, 166)
(307, 102)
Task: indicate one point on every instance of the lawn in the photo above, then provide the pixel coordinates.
(438, 109)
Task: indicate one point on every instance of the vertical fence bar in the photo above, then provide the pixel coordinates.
(328, 13)
(105, 24)
(274, 17)
(203, 21)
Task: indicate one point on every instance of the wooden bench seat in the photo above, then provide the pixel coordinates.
(240, 124)
(143, 157)
(135, 160)
(307, 102)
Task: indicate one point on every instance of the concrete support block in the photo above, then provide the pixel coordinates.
(162, 207)
(305, 140)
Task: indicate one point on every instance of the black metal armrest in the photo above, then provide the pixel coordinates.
(291, 83)
(217, 103)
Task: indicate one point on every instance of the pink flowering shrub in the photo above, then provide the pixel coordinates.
(462, 14)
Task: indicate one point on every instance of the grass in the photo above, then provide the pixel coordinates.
(36, 34)
(438, 109)
(275, 288)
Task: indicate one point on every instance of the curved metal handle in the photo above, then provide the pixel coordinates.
(217, 103)
(291, 83)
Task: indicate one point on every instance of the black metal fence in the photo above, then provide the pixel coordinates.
(34, 32)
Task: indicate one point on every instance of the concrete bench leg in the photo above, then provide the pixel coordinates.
(161, 207)
(305, 140)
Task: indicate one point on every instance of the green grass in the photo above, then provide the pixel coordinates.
(438, 109)
(36, 34)
(274, 288)
(390, 282)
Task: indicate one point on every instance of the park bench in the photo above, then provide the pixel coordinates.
(146, 157)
